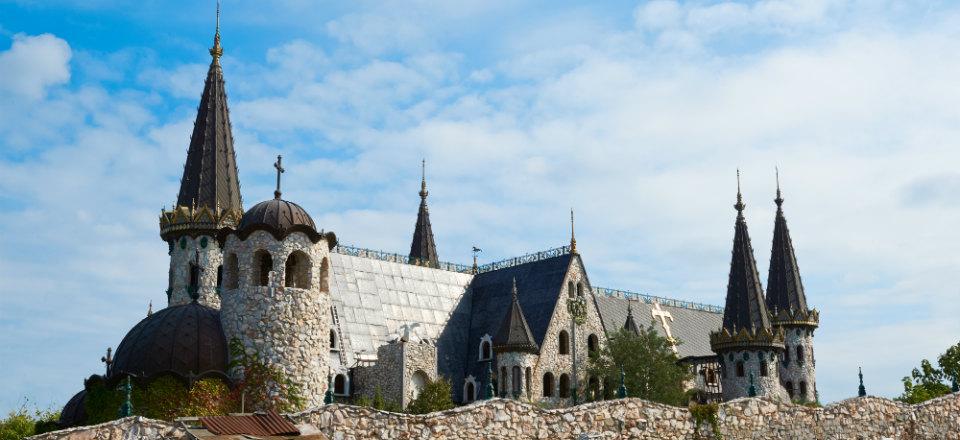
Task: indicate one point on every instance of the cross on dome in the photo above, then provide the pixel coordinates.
(279, 166)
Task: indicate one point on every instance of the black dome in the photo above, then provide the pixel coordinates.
(281, 218)
(186, 340)
(74, 413)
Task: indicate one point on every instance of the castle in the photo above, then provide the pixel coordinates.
(356, 320)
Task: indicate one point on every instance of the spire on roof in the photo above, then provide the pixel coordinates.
(514, 334)
(573, 236)
(745, 306)
(631, 324)
(784, 286)
(210, 172)
(423, 249)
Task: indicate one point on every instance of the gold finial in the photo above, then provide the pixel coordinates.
(216, 51)
(739, 206)
(573, 237)
(423, 179)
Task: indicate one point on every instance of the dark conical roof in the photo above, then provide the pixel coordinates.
(185, 340)
(210, 172)
(745, 307)
(630, 324)
(784, 286)
(514, 333)
(423, 249)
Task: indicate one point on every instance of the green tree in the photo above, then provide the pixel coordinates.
(950, 364)
(927, 382)
(23, 423)
(435, 396)
(649, 365)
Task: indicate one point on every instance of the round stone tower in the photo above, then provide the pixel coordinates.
(517, 353)
(276, 299)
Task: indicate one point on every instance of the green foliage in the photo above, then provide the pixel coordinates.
(263, 387)
(927, 382)
(102, 403)
(950, 363)
(706, 413)
(164, 398)
(435, 396)
(649, 364)
(377, 402)
(24, 423)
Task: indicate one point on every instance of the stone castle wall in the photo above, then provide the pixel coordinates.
(184, 252)
(735, 386)
(755, 419)
(797, 371)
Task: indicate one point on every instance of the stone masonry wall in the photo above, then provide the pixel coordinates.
(752, 418)
(735, 387)
(185, 250)
(797, 371)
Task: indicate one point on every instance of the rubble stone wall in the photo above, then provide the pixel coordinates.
(750, 418)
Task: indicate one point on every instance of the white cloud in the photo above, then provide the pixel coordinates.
(32, 64)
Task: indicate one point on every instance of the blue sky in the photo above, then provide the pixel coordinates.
(635, 113)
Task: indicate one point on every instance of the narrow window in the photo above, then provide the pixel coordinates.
(297, 270)
(564, 386)
(325, 275)
(711, 376)
(233, 272)
(800, 354)
(564, 341)
(469, 392)
(803, 390)
(580, 289)
(571, 289)
(789, 387)
(594, 392)
(593, 344)
(333, 340)
(548, 384)
(340, 385)
(517, 381)
(484, 350)
(503, 381)
(220, 275)
(262, 265)
(526, 381)
(763, 368)
(740, 369)
(194, 275)
(786, 356)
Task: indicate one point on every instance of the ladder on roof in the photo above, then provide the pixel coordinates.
(339, 332)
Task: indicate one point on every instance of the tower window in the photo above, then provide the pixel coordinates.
(763, 369)
(517, 381)
(593, 393)
(503, 381)
(485, 348)
(194, 280)
(803, 390)
(571, 289)
(740, 372)
(297, 271)
(340, 385)
(325, 275)
(564, 342)
(580, 289)
(526, 381)
(800, 354)
(786, 356)
(333, 340)
(262, 265)
(789, 386)
(469, 392)
(593, 345)
(711, 376)
(233, 272)
(547, 384)
(564, 386)
(220, 275)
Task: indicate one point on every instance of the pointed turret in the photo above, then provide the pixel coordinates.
(631, 324)
(784, 286)
(745, 307)
(423, 250)
(514, 334)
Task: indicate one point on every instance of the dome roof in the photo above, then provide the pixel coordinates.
(280, 218)
(186, 340)
(74, 413)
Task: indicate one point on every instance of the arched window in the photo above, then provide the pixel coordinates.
(800, 354)
(485, 351)
(297, 270)
(503, 381)
(580, 289)
(593, 344)
(333, 340)
(571, 289)
(325, 275)
(763, 368)
(194, 280)
(564, 342)
(740, 372)
(526, 382)
(340, 385)
(419, 381)
(220, 275)
(803, 390)
(564, 386)
(469, 392)
(547, 384)
(517, 381)
(233, 272)
(262, 265)
(786, 356)
(789, 386)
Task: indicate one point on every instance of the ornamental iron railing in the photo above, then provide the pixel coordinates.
(395, 258)
(524, 259)
(650, 299)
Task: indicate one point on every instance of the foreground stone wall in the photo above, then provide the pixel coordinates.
(861, 418)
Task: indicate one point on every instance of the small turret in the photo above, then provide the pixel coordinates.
(423, 249)
(517, 351)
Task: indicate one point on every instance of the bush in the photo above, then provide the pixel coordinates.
(164, 398)
(927, 382)
(263, 387)
(435, 396)
(649, 364)
(24, 423)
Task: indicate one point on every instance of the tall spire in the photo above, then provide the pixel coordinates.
(745, 306)
(573, 235)
(514, 334)
(784, 286)
(210, 172)
(423, 249)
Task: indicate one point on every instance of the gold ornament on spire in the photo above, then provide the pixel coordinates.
(216, 51)
(573, 237)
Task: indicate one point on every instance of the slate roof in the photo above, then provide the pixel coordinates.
(784, 286)
(745, 304)
(514, 334)
(423, 249)
(210, 172)
(691, 326)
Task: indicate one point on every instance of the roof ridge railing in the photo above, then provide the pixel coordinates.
(524, 259)
(650, 299)
(395, 258)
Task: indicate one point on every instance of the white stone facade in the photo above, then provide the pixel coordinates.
(760, 364)
(185, 252)
(798, 368)
(401, 371)
(287, 326)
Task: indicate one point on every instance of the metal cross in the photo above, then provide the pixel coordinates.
(663, 315)
(108, 359)
(279, 166)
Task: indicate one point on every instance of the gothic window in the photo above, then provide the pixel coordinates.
(262, 265)
(763, 368)
(517, 381)
(740, 372)
(570, 289)
(340, 385)
(503, 381)
(194, 275)
(325, 275)
(786, 356)
(800, 354)
(580, 289)
(526, 381)
(564, 386)
(803, 390)
(593, 345)
(564, 342)
(297, 270)
(333, 340)
(469, 392)
(547, 384)
(220, 275)
(485, 351)
(789, 387)
(233, 272)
